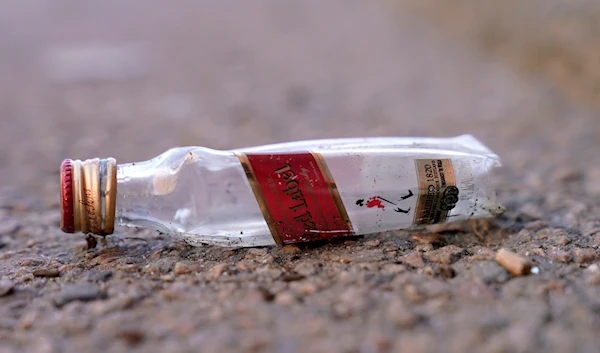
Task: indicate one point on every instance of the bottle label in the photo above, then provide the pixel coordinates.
(297, 196)
(438, 193)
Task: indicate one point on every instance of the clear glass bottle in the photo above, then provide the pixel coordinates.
(289, 192)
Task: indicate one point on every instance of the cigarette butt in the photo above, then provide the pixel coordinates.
(516, 264)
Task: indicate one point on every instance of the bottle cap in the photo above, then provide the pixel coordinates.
(88, 195)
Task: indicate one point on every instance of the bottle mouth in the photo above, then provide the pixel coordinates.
(88, 195)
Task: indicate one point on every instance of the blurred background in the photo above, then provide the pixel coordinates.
(130, 79)
(82, 79)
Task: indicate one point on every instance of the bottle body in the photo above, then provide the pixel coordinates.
(308, 190)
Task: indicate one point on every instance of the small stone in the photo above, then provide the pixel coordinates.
(6, 285)
(306, 288)
(33, 242)
(307, 268)
(593, 279)
(561, 256)
(481, 253)
(447, 271)
(423, 247)
(79, 292)
(217, 270)
(414, 259)
(432, 238)
(593, 269)
(393, 269)
(584, 255)
(182, 268)
(597, 240)
(430, 271)
(537, 251)
(46, 272)
(31, 262)
(446, 255)
(373, 243)
(128, 268)
(345, 259)
(285, 298)
(290, 249)
(67, 268)
(151, 269)
(246, 265)
(516, 264)
(490, 272)
(412, 294)
(535, 226)
(253, 253)
(561, 240)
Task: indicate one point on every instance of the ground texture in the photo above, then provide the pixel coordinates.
(81, 80)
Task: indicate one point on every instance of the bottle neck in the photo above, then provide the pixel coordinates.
(145, 193)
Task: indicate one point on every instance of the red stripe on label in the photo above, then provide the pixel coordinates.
(298, 196)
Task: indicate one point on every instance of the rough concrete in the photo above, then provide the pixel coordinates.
(130, 80)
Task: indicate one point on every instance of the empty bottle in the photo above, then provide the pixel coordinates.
(284, 193)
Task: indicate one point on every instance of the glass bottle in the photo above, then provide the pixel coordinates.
(284, 193)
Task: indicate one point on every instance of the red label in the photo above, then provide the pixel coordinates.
(297, 196)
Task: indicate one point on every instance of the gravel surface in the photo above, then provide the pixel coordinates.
(130, 80)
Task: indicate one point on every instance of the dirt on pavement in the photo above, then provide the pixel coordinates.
(130, 80)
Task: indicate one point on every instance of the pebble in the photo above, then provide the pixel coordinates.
(151, 269)
(30, 262)
(182, 268)
(6, 285)
(593, 279)
(345, 259)
(561, 255)
(561, 240)
(490, 272)
(305, 288)
(516, 264)
(290, 249)
(446, 255)
(412, 294)
(447, 271)
(373, 243)
(307, 268)
(285, 298)
(535, 226)
(253, 253)
(414, 259)
(79, 292)
(593, 269)
(593, 275)
(393, 268)
(584, 255)
(432, 238)
(46, 272)
(483, 254)
(217, 270)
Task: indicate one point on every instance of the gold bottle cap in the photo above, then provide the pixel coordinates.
(88, 195)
